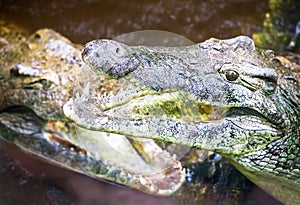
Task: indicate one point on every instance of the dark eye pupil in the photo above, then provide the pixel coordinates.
(231, 75)
(46, 84)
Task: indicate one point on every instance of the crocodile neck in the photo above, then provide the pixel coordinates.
(276, 168)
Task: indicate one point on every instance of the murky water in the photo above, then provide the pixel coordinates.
(82, 21)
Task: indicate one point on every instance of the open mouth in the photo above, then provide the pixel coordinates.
(93, 153)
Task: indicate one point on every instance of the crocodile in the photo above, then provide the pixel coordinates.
(38, 75)
(34, 85)
(219, 95)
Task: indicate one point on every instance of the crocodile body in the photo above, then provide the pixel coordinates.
(219, 95)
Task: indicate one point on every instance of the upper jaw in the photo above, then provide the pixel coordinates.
(136, 102)
(139, 104)
(242, 133)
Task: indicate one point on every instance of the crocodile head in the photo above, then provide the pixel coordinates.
(38, 73)
(37, 76)
(192, 94)
(217, 95)
(42, 72)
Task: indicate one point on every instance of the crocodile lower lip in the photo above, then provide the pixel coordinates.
(91, 153)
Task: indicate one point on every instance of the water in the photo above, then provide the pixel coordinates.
(82, 21)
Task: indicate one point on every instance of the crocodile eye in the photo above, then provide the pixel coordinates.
(231, 75)
(46, 84)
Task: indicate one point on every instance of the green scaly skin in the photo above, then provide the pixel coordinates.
(219, 95)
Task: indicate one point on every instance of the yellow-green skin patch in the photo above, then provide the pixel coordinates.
(182, 109)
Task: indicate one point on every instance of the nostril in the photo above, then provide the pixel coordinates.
(86, 51)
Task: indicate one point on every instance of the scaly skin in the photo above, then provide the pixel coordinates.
(218, 95)
(39, 75)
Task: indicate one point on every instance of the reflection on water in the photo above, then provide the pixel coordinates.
(85, 20)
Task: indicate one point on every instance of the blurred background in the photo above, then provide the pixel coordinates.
(82, 21)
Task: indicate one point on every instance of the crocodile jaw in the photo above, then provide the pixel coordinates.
(215, 128)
